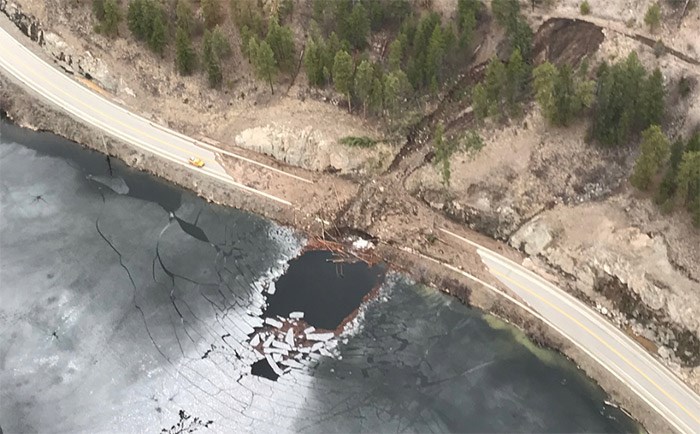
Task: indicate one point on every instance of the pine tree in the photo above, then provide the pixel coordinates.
(654, 152)
(136, 18)
(652, 99)
(213, 13)
(517, 76)
(185, 57)
(158, 37)
(212, 62)
(544, 77)
(653, 16)
(495, 83)
(395, 88)
(313, 62)
(395, 55)
(265, 64)
(342, 74)
(220, 43)
(281, 41)
(443, 152)
(184, 16)
(358, 26)
(689, 183)
(112, 16)
(435, 57)
(480, 102)
(363, 83)
(376, 95)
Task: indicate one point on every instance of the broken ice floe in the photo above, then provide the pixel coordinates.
(283, 343)
(296, 315)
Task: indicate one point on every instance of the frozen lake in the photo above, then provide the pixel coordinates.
(129, 305)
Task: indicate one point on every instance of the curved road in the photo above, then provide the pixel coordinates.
(623, 357)
(64, 92)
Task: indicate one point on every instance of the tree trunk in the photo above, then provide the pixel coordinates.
(349, 104)
(271, 88)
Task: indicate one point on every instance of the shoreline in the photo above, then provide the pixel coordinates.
(26, 110)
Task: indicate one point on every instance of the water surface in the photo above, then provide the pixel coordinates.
(129, 305)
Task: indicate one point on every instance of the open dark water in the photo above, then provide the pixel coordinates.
(128, 305)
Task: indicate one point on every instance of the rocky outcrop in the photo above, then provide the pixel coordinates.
(66, 57)
(28, 24)
(625, 273)
(310, 149)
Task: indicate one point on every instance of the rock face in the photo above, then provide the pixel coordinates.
(309, 149)
(68, 58)
(28, 24)
(532, 238)
(619, 267)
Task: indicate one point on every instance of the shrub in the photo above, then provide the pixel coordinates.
(653, 16)
(585, 8)
(358, 142)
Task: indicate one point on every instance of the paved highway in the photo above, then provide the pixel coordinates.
(114, 120)
(595, 335)
(623, 357)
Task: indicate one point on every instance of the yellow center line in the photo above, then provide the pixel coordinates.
(599, 339)
(93, 109)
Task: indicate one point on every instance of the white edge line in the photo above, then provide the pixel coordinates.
(124, 136)
(586, 310)
(161, 127)
(553, 326)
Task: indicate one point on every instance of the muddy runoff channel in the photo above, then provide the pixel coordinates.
(132, 305)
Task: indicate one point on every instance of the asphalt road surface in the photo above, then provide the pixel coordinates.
(59, 89)
(592, 333)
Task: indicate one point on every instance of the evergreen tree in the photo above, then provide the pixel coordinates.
(112, 16)
(158, 37)
(313, 62)
(435, 57)
(358, 26)
(395, 55)
(653, 16)
(220, 43)
(213, 13)
(343, 74)
(363, 83)
(281, 41)
(480, 102)
(623, 103)
(139, 18)
(654, 152)
(265, 64)
(545, 76)
(520, 37)
(98, 9)
(376, 95)
(212, 62)
(467, 26)
(495, 82)
(669, 183)
(505, 11)
(185, 57)
(653, 99)
(395, 88)
(517, 76)
(443, 152)
(184, 16)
